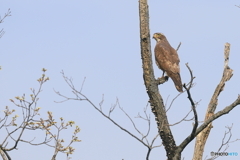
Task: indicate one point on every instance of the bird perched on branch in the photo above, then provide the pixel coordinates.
(167, 60)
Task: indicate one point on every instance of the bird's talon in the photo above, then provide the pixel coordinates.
(166, 78)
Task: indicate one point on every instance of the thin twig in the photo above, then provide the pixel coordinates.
(192, 103)
(82, 97)
(178, 46)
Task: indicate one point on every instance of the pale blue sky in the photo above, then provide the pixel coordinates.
(99, 40)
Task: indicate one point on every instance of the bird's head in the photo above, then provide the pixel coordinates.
(158, 36)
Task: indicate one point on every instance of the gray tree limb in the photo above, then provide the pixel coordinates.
(151, 84)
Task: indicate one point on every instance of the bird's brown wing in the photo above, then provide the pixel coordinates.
(167, 60)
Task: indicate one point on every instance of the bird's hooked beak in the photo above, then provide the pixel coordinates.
(154, 37)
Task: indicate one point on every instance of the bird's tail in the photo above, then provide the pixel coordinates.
(177, 81)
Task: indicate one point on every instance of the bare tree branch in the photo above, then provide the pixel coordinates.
(192, 104)
(225, 142)
(132, 122)
(147, 118)
(84, 98)
(227, 74)
(151, 84)
(4, 154)
(178, 46)
(183, 119)
(2, 20)
(173, 101)
(226, 110)
(81, 97)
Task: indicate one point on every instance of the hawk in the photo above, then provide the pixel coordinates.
(167, 60)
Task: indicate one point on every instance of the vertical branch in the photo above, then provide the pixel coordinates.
(192, 104)
(202, 137)
(155, 98)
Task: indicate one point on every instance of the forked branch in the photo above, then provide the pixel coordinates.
(210, 116)
(192, 103)
(78, 95)
(225, 143)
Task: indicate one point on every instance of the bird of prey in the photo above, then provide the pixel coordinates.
(167, 60)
